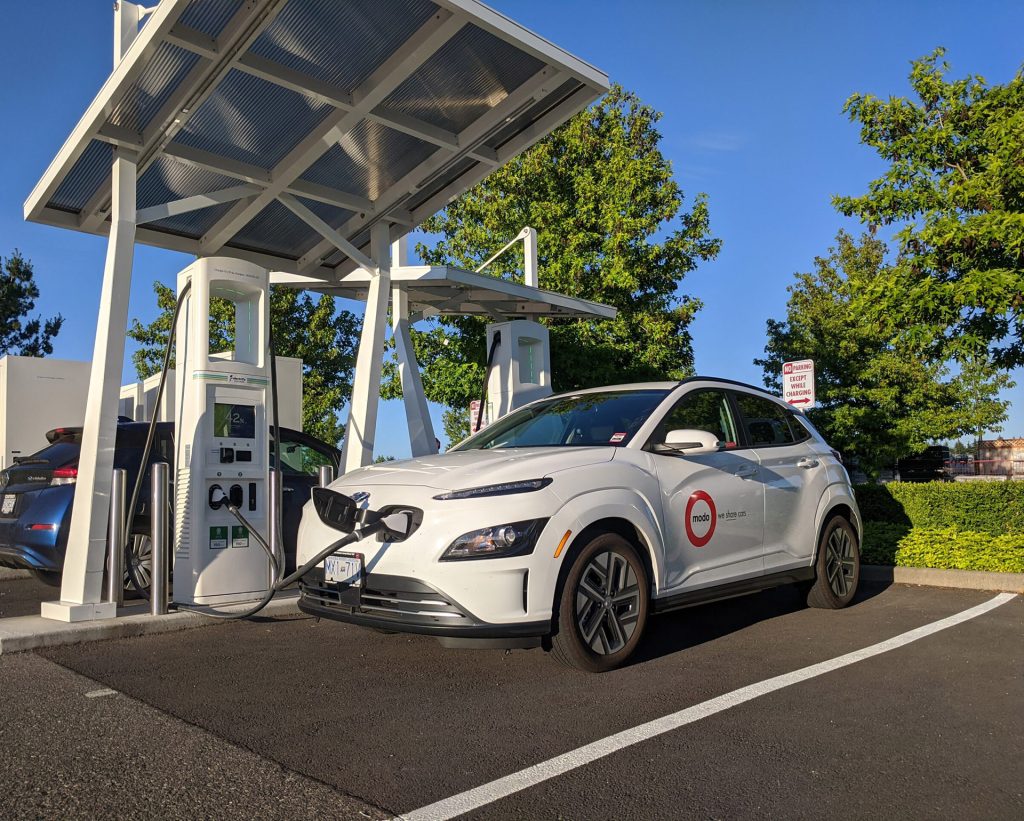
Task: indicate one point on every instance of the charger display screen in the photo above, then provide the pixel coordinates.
(234, 421)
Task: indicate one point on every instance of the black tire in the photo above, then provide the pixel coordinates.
(589, 603)
(837, 566)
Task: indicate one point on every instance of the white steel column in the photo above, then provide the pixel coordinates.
(421, 429)
(127, 17)
(362, 415)
(82, 582)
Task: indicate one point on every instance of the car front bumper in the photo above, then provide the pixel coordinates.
(403, 605)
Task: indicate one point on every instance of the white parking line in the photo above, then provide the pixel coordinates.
(501, 788)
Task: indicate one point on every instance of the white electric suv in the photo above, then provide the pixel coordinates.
(567, 522)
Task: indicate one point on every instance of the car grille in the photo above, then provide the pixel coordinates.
(389, 597)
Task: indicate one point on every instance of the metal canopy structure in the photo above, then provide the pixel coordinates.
(256, 124)
(444, 290)
(308, 137)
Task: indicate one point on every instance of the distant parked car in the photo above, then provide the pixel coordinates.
(37, 492)
(933, 464)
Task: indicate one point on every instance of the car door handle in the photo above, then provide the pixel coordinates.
(745, 472)
(807, 463)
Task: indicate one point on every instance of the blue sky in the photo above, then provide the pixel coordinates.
(752, 95)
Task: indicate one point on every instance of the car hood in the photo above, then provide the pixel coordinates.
(472, 468)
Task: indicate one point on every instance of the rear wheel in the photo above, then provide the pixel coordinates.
(138, 563)
(837, 566)
(603, 606)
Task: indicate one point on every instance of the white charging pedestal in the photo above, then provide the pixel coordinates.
(521, 368)
(222, 412)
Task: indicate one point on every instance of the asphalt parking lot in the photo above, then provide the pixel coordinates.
(293, 718)
(22, 596)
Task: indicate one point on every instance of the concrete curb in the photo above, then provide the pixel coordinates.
(33, 632)
(6, 574)
(930, 577)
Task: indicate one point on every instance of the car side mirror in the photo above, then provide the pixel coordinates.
(689, 442)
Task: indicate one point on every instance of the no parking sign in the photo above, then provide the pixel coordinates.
(798, 383)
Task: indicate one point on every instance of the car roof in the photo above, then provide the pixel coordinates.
(669, 386)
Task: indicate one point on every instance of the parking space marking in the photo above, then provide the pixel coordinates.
(509, 785)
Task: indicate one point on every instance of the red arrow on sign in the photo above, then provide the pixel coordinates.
(803, 401)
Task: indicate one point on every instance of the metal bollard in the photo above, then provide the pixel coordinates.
(326, 475)
(158, 535)
(274, 510)
(116, 538)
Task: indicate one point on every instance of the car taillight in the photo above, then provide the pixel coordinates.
(64, 476)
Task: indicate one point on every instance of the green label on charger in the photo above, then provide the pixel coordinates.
(218, 537)
(239, 536)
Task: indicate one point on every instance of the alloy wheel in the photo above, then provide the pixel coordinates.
(607, 603)
(840, 562)
(140, 558)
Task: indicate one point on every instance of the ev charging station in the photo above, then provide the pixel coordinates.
(223, 415)
(306, 139)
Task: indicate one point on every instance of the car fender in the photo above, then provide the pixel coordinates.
(836, 494)
(589, 508)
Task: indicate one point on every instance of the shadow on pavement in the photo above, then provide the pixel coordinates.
(22, 597)
(683, 629)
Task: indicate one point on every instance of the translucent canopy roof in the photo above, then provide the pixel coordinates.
(445, 290)
(263, 127)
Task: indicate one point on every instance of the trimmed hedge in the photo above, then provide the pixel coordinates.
(943, 548)
(951, 526)
(986, 507)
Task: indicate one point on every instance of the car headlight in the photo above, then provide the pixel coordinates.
(504, 489)
(497, 542)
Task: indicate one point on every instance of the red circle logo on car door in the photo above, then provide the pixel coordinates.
(701, 517)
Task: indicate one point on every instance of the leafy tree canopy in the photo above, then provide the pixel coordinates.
(18, 294)
(955, 185)
(612, 227)
(877, 401)
(304, 327)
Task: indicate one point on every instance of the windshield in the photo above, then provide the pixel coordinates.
(583, 420)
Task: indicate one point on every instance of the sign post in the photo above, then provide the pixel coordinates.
(798, 383)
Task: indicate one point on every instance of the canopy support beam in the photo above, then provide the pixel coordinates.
(421, 430)
(362, 415)
(187, 204)
(82, 579)
(325, 230)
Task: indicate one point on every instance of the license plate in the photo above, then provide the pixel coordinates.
(7, 504)
(343, 569)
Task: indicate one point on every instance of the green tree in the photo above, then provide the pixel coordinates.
(954, 187)
(876, 400)
(18, 295)
(611, 227)
(307, 328)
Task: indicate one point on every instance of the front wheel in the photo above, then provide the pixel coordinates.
(837, 566)
(603, 606)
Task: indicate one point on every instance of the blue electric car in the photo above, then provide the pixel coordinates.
(36, 495)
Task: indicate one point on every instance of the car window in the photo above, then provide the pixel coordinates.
(706, 410)
(298, 458)
(586, 419)
(767, 422)
(59, 453)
